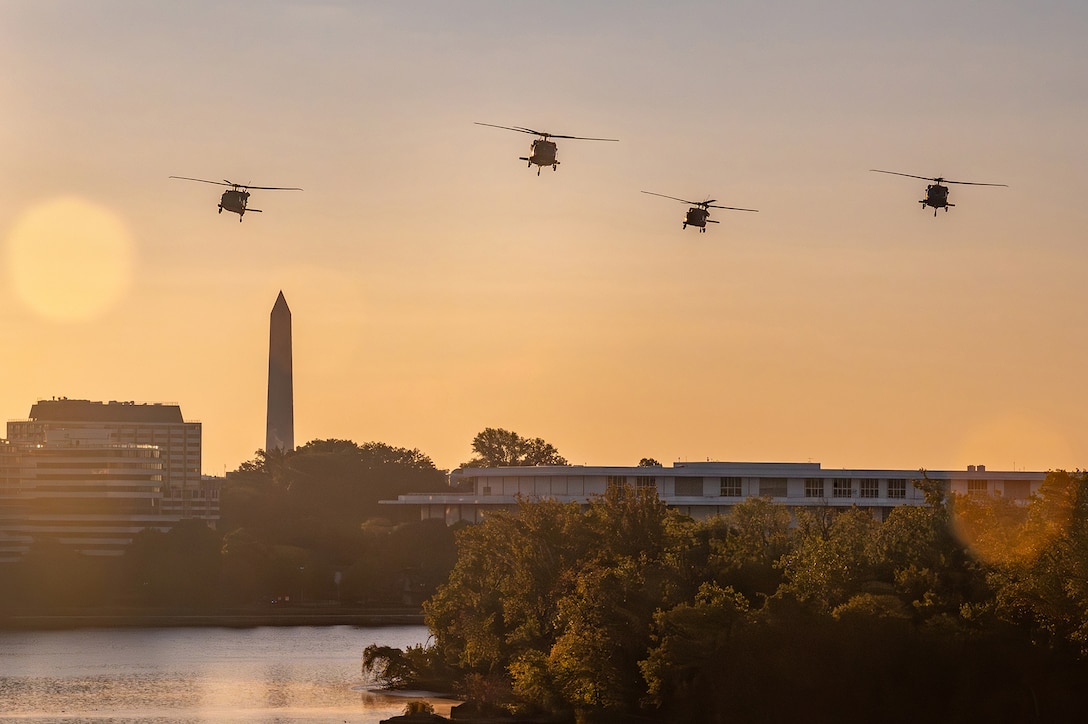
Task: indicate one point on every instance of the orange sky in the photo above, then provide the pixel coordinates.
(439, 287)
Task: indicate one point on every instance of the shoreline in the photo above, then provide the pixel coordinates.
(57, 621)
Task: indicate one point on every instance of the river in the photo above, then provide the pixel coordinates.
(190, 675)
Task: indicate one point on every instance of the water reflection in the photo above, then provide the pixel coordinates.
(301, 674)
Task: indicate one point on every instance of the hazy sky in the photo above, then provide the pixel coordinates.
(439, 287)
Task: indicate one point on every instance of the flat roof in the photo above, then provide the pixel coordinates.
(64, 410)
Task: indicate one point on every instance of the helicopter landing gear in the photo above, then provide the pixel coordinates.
(685, 227)
(555, 167)
(220, 209)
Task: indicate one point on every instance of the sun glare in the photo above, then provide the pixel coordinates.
(68, 259)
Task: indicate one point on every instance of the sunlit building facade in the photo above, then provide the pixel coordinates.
(702, 490)
(184, 492)
(80, 490)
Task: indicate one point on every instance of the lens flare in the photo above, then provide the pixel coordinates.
(69, 260)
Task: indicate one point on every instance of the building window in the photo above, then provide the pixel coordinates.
(617, 481)
(1017, 489)
(814, 487)
(977, 487)
(487, 490)
(730, 488)
(842, 488)
(868, 488)
(689, 486)
(772, 487)
(646, 481)
(897, 488)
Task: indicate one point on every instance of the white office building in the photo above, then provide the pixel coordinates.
(702, 490)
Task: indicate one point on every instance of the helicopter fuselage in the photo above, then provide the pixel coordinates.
(234, 200)
(696, 216)
(936, 197)
(542, 153)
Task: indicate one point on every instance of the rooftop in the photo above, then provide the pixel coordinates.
(61, 409)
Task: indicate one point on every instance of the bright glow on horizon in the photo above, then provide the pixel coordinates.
(68, 259)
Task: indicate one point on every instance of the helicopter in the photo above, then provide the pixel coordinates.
(699, 213)
(235, 198)
(936, 194)
(542, 152)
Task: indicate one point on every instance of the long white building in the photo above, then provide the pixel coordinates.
(702, 490)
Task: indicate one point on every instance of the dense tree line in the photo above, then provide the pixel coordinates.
(965, 609)
(303, 526)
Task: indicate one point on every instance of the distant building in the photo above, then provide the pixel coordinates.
(702, 490)
(79, 489)
(129, 423)
(280, 421)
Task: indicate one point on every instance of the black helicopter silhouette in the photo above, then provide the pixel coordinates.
(542, 152)
(236, 197)
(699, 213)
(936, 193)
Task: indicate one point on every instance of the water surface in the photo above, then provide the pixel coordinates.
(170, 675)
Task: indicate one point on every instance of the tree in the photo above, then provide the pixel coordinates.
(1045, 586)
(178, 567)
(648, 463)
(827, 564)
(757, 533)
(495, 447)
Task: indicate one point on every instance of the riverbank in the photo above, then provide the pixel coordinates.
(143, 618)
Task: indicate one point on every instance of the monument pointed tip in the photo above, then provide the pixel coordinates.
(281, 302)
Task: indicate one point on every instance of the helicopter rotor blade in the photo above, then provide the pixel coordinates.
(685, 201)
(274, 188)
(583, 138)
(910, 175)
(513, 128)
(972, 183)
(543, 134)
(731, 208)
(938, 179)
(204, 181)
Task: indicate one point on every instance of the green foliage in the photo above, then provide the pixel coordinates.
(691, 641)
(829, 562)
(389, 666)
(323, 487)
(746, 546)
(176, 568)
(495, 447)
(1044, 584)
(958, 610)
(557, 603)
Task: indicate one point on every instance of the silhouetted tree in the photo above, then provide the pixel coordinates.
(177, 568)
(495, 447)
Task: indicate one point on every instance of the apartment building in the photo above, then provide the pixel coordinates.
(79, 489)
(185, 493)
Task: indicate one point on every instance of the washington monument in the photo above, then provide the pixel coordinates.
(281, 405)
